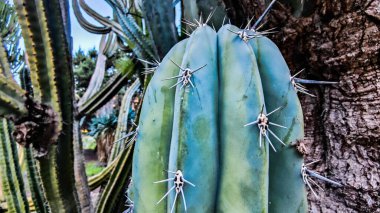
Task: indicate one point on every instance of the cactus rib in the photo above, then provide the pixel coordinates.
(244, 165)
(49, 60)
(156, 113)
(284, 165)
(11, 172)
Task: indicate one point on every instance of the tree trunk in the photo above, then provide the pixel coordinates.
(338, 41)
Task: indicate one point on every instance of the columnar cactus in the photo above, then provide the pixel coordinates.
(218, 126)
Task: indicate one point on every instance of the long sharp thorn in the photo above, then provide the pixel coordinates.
(262, 109)
(307, 93)
(191, 83)
(274, 135)
(176, 84)
(266, 136)
(181, 86)
(249, 23)
(314, 174)
(184, 200)
(165, 195)
(274, 111)
(166, 180)
(298, 73)
(252, 123)
(305, 81)
(263, 15)
(261, 25)
(316, 184)
(189, 23)
(178, 76)
(210, 16)
(311, 188)
(233, 32)
(177, 65)
(300, 86)
(193, 71)
(313, 162)
(175, 199)
(278, 125)
(169, 171)
(198, 22)
(147, 62)
(260, 138)
(190, 183)
(269, 30)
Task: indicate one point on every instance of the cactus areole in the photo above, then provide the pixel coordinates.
(217, 126)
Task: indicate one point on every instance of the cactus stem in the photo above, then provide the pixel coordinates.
(307, 174)
(263, 124)
(179, 182)
(185, 75)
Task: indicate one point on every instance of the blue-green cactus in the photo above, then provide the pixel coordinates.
(221, 141)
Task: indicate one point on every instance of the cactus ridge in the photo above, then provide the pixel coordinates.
(227, 84)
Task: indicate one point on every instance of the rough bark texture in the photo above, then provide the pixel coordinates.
(339, 41)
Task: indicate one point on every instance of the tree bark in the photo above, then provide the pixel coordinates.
(339, 41)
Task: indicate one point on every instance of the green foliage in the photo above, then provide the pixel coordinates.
(11, 33)
(89, 142)
(123, 64)
(84, 67)
(101, 125)
(92, 169)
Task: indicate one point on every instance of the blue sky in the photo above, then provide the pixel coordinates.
(82, 38)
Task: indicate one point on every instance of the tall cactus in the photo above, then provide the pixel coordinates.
(234, 108)
(45, 121)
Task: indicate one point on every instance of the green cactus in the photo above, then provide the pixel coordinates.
(227, 129)
(10, 171)
(44, 117)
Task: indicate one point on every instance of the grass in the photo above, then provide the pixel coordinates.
(92, 168)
